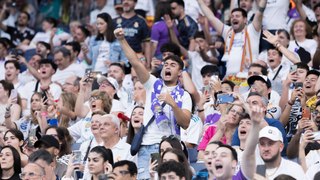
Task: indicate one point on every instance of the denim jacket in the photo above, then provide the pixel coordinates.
(116, 53)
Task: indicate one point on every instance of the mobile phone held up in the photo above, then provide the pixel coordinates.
(225, 98)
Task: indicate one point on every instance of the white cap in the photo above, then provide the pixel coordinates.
(111, 80)
(271, 133)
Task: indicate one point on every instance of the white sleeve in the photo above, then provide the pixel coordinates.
(75, 130)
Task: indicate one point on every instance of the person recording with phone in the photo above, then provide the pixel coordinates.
(295, 107)
(8, 102)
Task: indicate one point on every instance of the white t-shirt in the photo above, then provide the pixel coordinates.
(28, 90)
(287, 168)
(312, 161)
(108, 8)
(45, 36)
(72, 70)
(26, 77)
(193, 133)
(2, 69)
(155, 132)
(275, 14)
(103, 56)
(197, 64)
(25, 125)
(81, 131)
(234, 57)
(309, 45)
(121, 151)
(192, 9)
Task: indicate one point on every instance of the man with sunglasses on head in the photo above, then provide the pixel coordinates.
(168, 105)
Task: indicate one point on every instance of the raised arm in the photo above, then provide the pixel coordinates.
(80, 109)
(215, 22)
(2, 26)
(142, 72)
(173, 36)
(300, 10)
(257, 20)
(248, 162)
(274, 40)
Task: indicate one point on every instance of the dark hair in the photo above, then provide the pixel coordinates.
(105, 153)
(274, 48)
(7, 86)
(174, 142)
(284, 177)
(14, 62)
(170, 47)
(181, 158)
(85, 31)
(18, 134)
(52, 21)
(230, 83)
(41, 154)
(132, 168)
(119, 65)
(76, 47)
(162, 8)
(179, 2)
(26, 13)
(219, 143)
(45, 44)
(130, 128)
(64, 137)
(209, 69)
(314, 72)
(4, 42)
(264, 70)
(16, 160)
(243, 12)
(172, 166)
(285, 32)
(244, 116)
(110, 28)
(301, 65)
(233, 151)
(49, 61)
(176, 59)
(199, 34)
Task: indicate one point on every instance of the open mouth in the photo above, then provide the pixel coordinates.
(271, 60)
(167, 73)
(218, 167)
(243, 132)
(235, 22)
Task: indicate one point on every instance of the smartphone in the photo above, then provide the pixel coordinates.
(206, 90)
(293, 68)
(155, 157)
(316, 135)
(298, 85)
(215, 78)
(14, 94)
(103, 177)
(77, 156)
(261, 170)
(306, 114)
(224, 98)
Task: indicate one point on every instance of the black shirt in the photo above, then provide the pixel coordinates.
(19, 36)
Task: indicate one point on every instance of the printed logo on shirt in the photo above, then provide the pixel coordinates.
(23, 126)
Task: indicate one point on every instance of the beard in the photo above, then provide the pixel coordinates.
(272, 159)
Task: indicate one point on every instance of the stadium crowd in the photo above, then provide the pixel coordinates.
(159, 89)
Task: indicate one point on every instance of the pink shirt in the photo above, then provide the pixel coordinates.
(210, 132)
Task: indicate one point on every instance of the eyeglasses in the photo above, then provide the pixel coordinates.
(93, 98)
(30, 174)
(234, 111)
(172, 137)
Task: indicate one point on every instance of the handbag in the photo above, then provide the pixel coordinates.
(304, 55)
(137, 139)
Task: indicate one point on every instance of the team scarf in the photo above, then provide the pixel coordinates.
(156, 107)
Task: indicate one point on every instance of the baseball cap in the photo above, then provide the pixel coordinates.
(48, 141)
(271, 133)
(262, 78)
(111, 80)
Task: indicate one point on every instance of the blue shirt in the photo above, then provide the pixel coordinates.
(187, 28)
(135, 29)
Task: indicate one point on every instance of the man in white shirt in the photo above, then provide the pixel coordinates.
(47, 69)
(242, 41)
(12, 70)
(62, 58)
(169, 118)
(110, 134)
